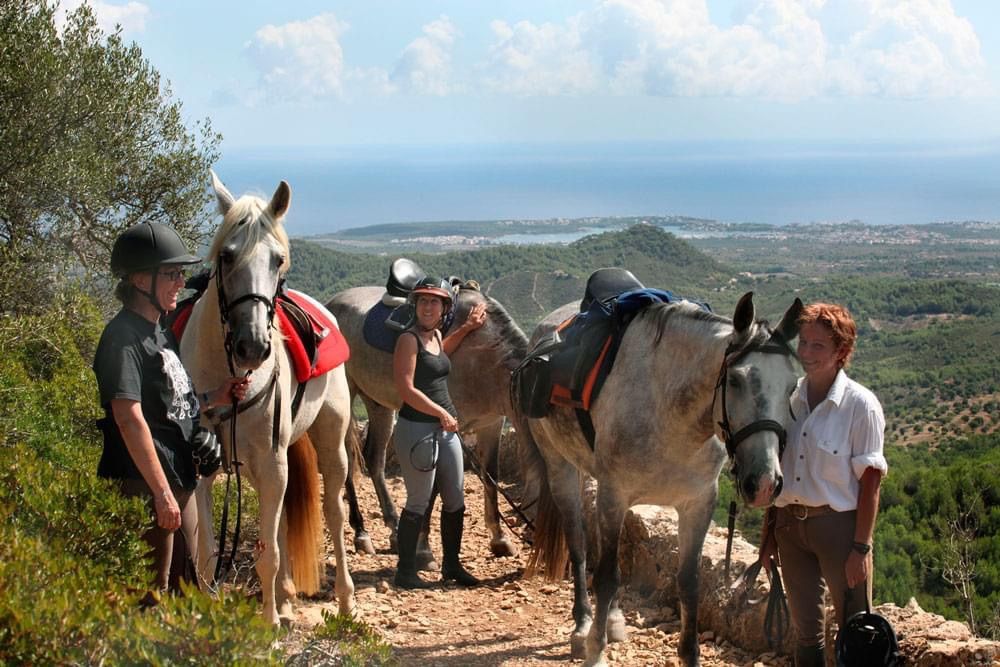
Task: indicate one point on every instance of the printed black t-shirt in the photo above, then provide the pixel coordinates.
(137, 360)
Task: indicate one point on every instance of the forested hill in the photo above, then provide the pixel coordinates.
(529, 280)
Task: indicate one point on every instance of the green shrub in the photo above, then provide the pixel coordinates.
(346, 642)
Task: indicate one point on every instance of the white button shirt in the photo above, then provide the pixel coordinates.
(830, 447)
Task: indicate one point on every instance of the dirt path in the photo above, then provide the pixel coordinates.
(508, 621)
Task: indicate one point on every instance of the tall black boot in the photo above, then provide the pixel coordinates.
(452, 524)
(406, 540)
(810, 656)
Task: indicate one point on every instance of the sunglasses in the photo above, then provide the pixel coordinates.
(174, 274)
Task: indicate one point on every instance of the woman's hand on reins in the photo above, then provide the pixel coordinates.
(232, 389)
(448, 423)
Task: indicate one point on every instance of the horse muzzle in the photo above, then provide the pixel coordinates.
(249, 352)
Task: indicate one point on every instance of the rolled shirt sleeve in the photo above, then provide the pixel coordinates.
(868, 436)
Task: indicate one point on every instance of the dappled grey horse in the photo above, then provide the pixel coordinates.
(679, 375)
(479, 384)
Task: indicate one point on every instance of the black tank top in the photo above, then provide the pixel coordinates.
(431, 377)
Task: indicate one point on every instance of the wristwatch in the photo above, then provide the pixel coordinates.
(862, 548)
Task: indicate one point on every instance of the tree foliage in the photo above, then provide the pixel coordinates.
(90, 143)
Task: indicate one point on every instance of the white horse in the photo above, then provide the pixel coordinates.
(250, 254)
(683, 382)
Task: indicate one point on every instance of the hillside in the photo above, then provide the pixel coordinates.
(529, 281)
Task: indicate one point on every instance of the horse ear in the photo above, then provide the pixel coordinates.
(745, 313)
(222, 195)
(788, 328)
(280, 201)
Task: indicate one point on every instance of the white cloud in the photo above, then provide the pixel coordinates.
(777, 49)
(300, 59)
(425, 67)
(547, 59)
(131, 16)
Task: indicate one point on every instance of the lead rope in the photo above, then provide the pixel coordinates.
(478, 468)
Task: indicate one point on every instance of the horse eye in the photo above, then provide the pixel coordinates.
(226, 256)
(734, 382)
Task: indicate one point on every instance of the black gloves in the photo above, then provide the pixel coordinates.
(207, 452)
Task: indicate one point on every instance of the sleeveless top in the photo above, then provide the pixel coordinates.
(431, 377)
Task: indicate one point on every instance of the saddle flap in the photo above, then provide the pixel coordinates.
(605, 284)
(404, 274)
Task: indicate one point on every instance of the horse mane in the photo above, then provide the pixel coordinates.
(511, 340)
(252, 213)
(663, 313)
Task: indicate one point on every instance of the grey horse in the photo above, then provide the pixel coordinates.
(680, 373)
(479, 385)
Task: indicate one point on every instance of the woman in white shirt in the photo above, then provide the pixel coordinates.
(822, 523)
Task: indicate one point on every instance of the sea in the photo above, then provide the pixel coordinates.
(336, 188)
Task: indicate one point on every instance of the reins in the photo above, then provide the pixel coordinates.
(483, 473)
(775, 344)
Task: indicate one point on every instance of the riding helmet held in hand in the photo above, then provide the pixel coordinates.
(867, 640)
(206, 451)
(146, 246)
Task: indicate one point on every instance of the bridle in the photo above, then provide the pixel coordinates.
(225, 312)
(775, 344)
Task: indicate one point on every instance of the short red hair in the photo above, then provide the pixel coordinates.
(838, 320)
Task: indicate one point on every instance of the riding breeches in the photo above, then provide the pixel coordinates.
(427, 453)
(814, 550)
(168, 566)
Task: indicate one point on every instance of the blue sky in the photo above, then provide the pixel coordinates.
(326, 74)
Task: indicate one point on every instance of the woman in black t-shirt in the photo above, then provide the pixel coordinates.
(150, 406)
(425, 437)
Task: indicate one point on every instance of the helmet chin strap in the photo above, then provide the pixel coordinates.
(151, 294)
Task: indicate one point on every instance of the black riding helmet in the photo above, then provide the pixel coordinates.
(146, 246)
(867, 640)
(432, 286)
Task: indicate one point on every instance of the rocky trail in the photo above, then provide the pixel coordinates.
(507, 621)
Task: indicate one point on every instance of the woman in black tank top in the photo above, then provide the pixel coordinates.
(425, 437)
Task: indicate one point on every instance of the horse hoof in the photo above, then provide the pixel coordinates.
(616, 627)
(577, 646)
(425, 562)
(393, 544)
(363, 545)
(502, 548)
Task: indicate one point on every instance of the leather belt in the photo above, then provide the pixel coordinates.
(803, 512)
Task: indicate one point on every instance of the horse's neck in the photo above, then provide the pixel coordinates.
(690, 353)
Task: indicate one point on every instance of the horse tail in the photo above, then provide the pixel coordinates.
(549, 554)
(304, 515)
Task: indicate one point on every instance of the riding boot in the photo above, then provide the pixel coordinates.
(810, 656)
(406, 538)
(452, 524)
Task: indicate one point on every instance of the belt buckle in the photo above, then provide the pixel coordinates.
(805, 512)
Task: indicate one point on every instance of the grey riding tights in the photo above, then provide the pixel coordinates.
(416, 456)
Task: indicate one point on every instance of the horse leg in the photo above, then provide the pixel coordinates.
(564, 484)
(693, 519)
(379, 432)
(207, 547)
(328, 433)
(488, 448)
(362, 540)
(424, 558)
(271, 492)
(609, 515)
(284, 587)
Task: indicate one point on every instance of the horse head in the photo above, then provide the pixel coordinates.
(250, 255)
(758, 375)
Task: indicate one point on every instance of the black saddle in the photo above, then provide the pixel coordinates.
(606, 284)
(404, 274)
